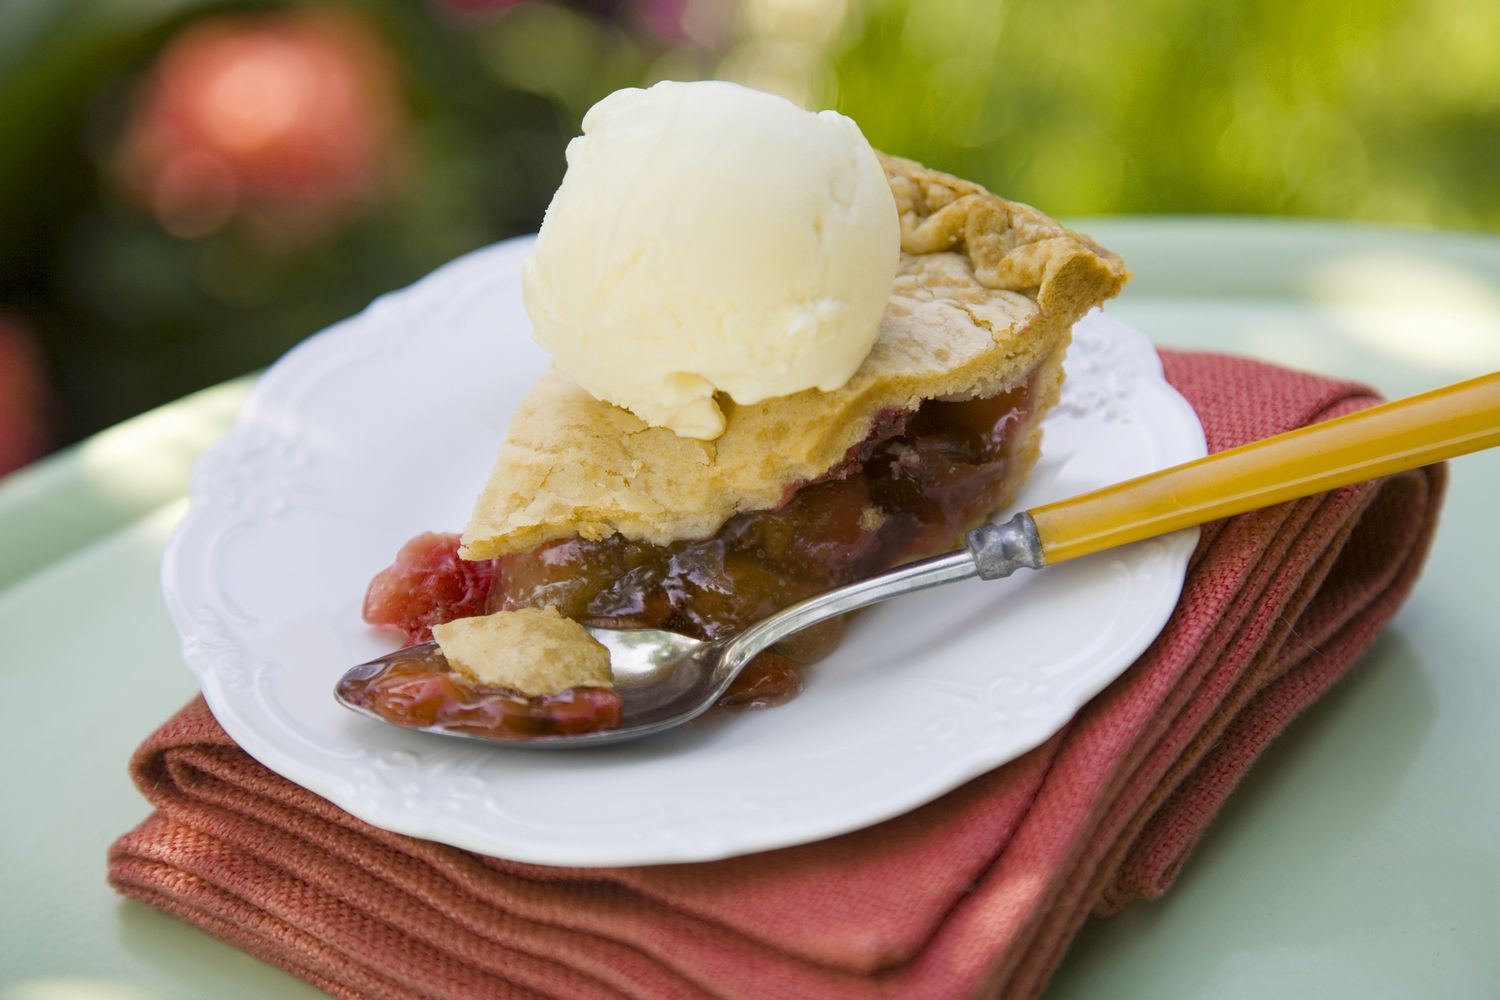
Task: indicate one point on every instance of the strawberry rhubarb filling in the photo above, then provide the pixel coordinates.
(910, 489)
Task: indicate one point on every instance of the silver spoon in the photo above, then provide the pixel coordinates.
(665, 679)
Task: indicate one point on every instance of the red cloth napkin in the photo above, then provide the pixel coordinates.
(976, 894)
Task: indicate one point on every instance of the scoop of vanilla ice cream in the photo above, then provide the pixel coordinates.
(712, 238)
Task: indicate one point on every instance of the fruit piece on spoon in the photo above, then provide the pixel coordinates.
(512, 674)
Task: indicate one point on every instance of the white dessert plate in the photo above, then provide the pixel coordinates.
(386, 425)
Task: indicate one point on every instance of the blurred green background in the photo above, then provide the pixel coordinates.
(188, 188)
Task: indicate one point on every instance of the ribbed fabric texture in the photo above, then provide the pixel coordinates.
(976, 894)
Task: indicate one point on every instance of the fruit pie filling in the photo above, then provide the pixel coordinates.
(908, 490)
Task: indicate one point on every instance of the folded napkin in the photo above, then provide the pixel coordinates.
(976, 894)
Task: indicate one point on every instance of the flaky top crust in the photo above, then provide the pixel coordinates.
(986, 289)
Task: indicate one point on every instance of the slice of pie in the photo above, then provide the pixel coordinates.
(617, 523)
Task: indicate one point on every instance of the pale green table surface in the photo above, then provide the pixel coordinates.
(1361, 858)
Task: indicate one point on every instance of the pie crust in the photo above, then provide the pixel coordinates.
(984, 299)
(532, 651)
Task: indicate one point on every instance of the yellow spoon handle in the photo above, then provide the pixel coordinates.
(1376, 442)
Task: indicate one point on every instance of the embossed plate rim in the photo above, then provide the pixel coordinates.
(294, 472)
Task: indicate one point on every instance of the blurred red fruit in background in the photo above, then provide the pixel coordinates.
(288, 118)
(25, 399)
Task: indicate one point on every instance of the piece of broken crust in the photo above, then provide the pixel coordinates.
(532, 651)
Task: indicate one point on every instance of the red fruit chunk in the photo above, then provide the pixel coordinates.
(768, 680)
(427, 585)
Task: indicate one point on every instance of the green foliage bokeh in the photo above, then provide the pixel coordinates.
(1378, 110)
